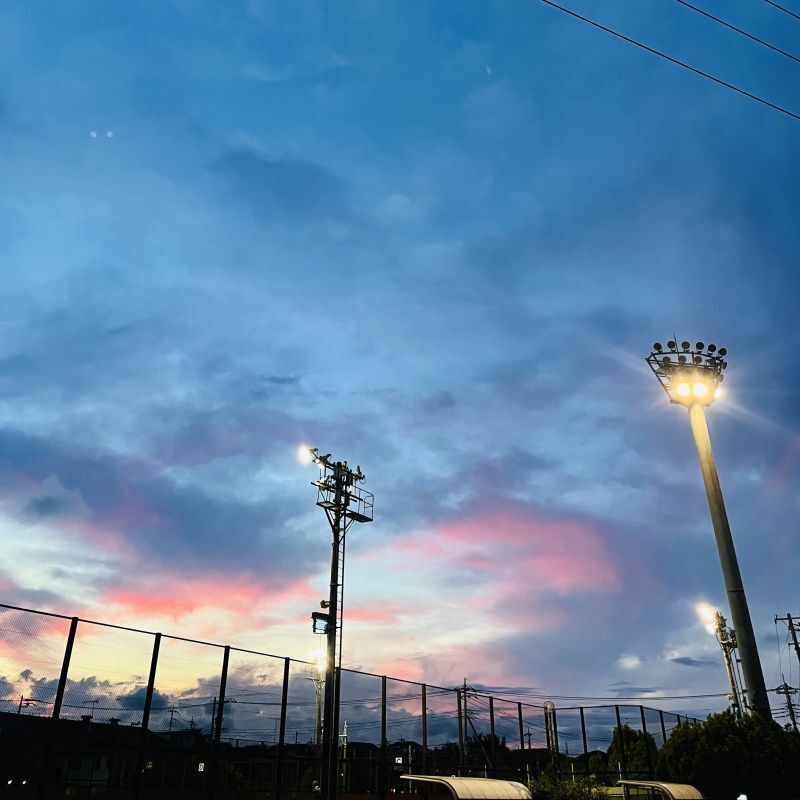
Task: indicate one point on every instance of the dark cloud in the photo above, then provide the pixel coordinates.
(688, 661)
(284, 188)
(47, 506)
(134, 700)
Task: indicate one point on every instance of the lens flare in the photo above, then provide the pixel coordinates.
(707, 615)
(304, 454)
(718, 393)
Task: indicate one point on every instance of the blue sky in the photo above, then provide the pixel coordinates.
(436, 240)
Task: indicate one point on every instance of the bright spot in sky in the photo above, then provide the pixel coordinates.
(717, 392)
(109, 134)
(93, 134)
(629, 662)
(319, 659)
(707, 616)
(304, 454)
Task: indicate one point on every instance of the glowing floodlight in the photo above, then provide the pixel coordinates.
(690, 376)
(306, 455)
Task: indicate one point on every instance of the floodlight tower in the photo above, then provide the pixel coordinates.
(344, 503)
(691, 377)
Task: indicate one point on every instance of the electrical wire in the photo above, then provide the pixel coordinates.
(738, 30)
(785, 10)
(522, 692)
(672, 60)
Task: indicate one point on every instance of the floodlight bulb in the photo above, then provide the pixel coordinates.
(707, 615)
(718, 393)
(683, 389)
(700, 390)
(304, 455)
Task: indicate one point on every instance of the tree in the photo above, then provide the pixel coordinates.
(551, 785)
(636, 750)
(726, 756)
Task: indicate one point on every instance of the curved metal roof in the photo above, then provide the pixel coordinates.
(476, 788)
(672, 791)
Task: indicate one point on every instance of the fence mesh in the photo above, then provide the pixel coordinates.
(80, 715)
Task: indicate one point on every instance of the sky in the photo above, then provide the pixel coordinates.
(436, 240)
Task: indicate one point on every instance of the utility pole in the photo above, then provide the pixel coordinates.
(794, 626)
(788, 691)
(344, 502)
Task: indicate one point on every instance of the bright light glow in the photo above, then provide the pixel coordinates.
(683, 389)
(707, 615)
(718, 393)
(319, 659)
(700, 390)
(304, 454)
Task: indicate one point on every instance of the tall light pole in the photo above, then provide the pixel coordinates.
(344, 503)
(691, 377)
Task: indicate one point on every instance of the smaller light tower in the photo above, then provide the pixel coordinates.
(727, 641)
(344, 502)
(692, 377)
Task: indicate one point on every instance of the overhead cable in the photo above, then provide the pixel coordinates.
(738, 30)
(785, 10)
(672, 60)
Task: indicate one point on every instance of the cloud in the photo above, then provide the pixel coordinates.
(134, 700)
(629, 661)
(285, 188)
(688, 661)
(46, 506)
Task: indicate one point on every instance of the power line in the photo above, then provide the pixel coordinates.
(785, 10)
(672, 60)
(738, 30)
(522, 692)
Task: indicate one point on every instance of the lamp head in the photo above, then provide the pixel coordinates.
(694, 377)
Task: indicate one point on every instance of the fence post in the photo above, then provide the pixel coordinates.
(282, 731)
(217, 724)
(646, 745)
(424, 729)
(623, 758)
(384, 774)
(62, 680)
(136, 783)
(491, 733)
(47, 761)
(663, 727)
(585, 743)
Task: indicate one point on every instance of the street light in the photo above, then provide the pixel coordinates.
(344, 502)
(692, 377)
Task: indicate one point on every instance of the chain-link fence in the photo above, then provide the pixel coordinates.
(91, 709)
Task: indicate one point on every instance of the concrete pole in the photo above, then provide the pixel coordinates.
(756, 690)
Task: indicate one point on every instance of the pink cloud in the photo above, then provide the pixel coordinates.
(241, 595)
(512, 547)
